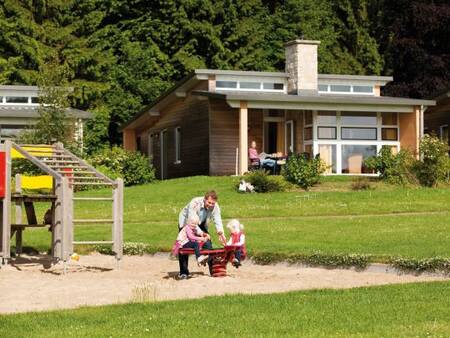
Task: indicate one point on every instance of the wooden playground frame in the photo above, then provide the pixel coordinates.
(67, 171)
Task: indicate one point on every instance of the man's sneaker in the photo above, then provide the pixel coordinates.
(182, 276)
(201, 260)
(236, 263)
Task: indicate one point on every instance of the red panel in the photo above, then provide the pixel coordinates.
(2, 174)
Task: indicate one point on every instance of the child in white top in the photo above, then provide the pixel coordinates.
(237, 239)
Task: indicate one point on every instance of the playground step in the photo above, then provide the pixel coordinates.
(92, 199)
(93, 220)
(59, 161)
(92, 242)
(91, 183)
(84, 172)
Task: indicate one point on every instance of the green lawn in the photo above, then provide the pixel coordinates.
(386, 221)
(414, 310)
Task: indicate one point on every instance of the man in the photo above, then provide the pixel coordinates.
(207, 209)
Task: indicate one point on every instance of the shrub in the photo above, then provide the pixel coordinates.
(433, 165)
(395, 169)
(302, 171)
(129, 248)
(433, 264)
(361, 183)
(133, 167)
(263, 182)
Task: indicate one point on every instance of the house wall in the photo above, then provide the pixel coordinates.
(191, 114)
(129, 139)
(224, 138)
(297, 117)
(224, 135)
(409, 131)
(436, 117)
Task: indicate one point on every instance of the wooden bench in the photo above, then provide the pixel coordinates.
(220, 258)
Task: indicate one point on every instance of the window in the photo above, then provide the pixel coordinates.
(363, 89)
(273, 86)
(1, 99)
(327, 118)
(327, 153)
(177, 145)
(16, 99)
(389, 119)
(34, 100)
(346, 88)
(226, 84)
(359, 119)
(308, 118)
(340, 88)
(353, 157)
(326, 133)
(150, 146)
(394, 149)
(389, 134)
(250, 85)
(308, 135)
(323, 88)
(353, 133)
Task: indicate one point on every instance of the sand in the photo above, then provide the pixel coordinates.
(31, 284)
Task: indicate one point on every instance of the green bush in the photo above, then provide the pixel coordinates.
(314, 259)
(302, 171)
(433, 264)
(395, 169)
(129, 248)
(133, 167)
(263, 182)
(361, 183)
(433, 166)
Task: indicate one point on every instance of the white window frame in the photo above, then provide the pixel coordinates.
(379, 143)
(286, 150)
(351, 92)
(177, 145)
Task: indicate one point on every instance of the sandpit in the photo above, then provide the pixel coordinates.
(31, 284)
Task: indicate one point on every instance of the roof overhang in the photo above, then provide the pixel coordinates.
(320, 102)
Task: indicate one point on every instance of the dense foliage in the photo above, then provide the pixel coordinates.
(434, 163)
(262, 181)
(432, 167)
(120, 55)
(303, 171)
(394, 168)
(133, 167)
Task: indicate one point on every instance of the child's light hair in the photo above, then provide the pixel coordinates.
(193, 220)
(235, 225)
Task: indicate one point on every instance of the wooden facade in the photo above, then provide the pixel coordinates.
(437, 118)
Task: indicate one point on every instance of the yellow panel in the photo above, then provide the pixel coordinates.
(41, 151)
(37, 182)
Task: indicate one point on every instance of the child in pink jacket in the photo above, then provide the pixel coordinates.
(190, 236)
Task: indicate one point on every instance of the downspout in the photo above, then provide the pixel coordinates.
(421, 126)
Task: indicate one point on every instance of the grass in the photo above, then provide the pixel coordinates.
(382, 222)
(361, 312)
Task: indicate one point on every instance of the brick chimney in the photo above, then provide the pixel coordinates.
(301, 66)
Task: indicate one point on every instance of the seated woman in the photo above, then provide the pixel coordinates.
(254, 157)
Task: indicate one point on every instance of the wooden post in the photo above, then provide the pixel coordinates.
(118, 219)
(6, 206)
(243, 138)
(18, 214)
(57, 225)
(67, 228)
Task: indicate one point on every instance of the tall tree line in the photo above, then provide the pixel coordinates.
(122, 54)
